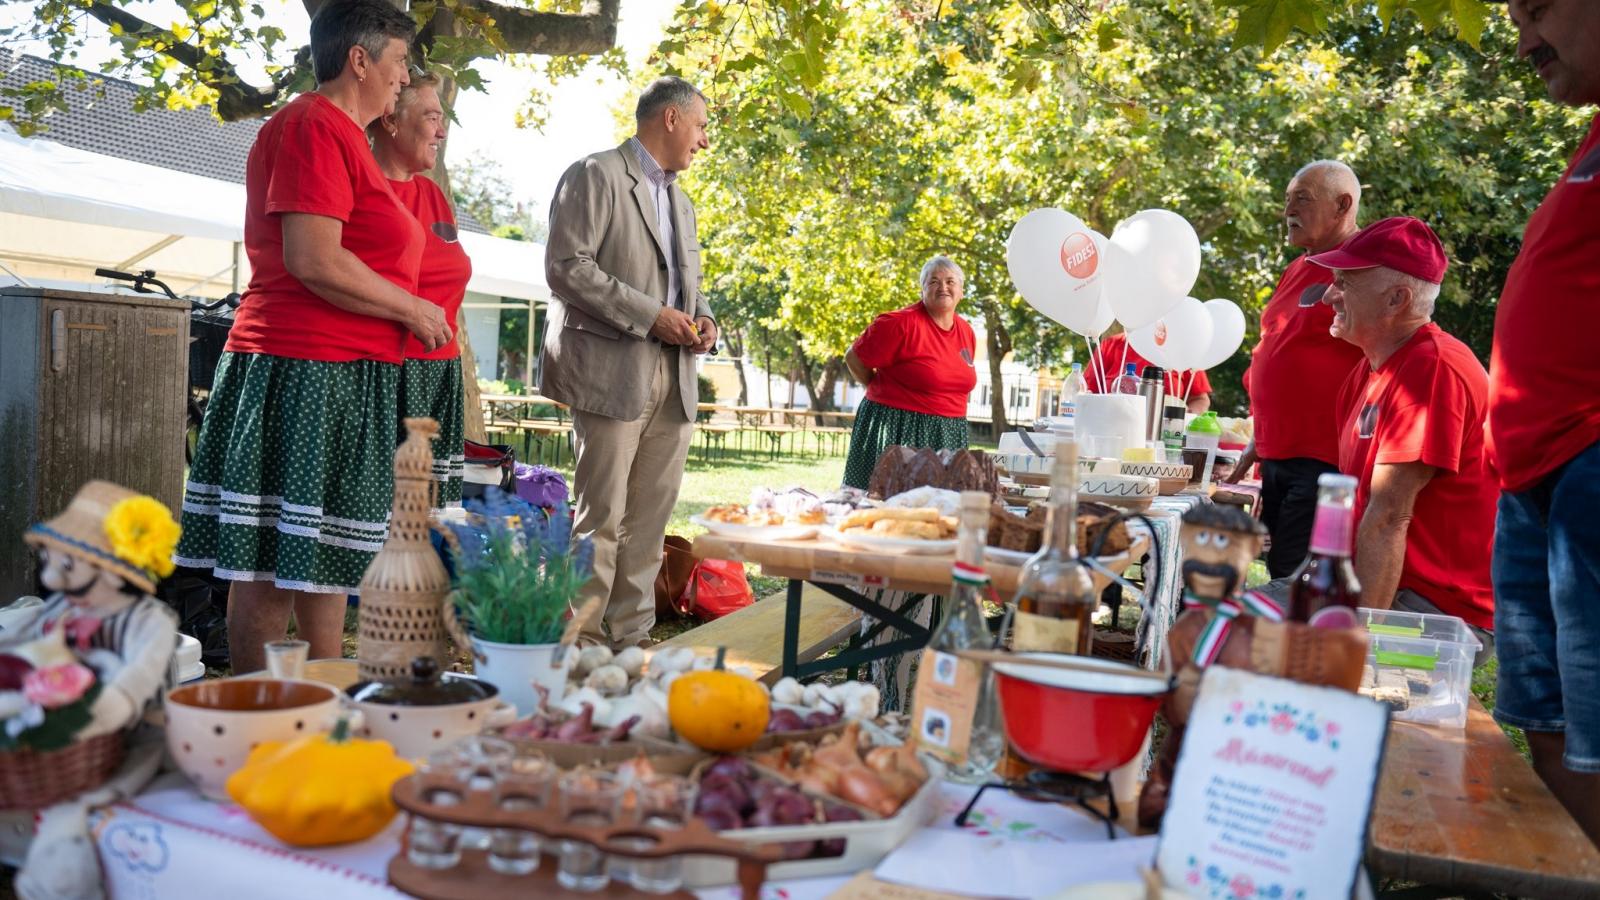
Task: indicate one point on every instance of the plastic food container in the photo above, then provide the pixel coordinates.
(1420, 665)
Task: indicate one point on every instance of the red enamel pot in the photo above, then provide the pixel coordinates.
(1077, 721)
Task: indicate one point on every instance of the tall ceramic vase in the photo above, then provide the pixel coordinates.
(516, 668)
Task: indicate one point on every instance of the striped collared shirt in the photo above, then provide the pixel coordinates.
(660, 183)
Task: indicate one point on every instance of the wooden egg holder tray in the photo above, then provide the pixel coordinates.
(473, 879)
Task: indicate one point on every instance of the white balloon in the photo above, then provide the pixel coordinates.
(1132, 290)
(1227, 332)
(1143, 342)
(1166, 242)
(1184, 334)
(1055, 262)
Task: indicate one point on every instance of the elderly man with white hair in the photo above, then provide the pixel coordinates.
(1410, 425)
(1295, 370)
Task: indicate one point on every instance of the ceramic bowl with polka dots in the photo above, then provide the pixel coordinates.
(213, 725)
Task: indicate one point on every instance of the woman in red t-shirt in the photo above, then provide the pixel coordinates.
(917, 364)
(292, 481)
(406, 144)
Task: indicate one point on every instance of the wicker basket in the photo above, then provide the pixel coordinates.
(404, 592)
(1115, 645)
(33, 779)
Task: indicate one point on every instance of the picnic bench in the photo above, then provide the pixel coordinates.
(1462, 811)
(754, 635)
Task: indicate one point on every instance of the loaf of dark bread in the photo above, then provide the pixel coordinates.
(899, 469)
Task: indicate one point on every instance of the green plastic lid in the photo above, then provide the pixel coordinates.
(1206, 423)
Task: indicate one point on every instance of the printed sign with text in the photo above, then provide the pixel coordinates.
(1273, 790)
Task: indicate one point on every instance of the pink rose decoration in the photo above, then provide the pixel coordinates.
(1242, 886)
(1236, 706)
(1282, 723)
(1194, 877)
(1332, 728)
(55, 686)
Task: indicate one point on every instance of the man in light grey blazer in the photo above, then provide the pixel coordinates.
(627, 321)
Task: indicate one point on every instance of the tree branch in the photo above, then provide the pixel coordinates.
(236, 98)
(555, 34)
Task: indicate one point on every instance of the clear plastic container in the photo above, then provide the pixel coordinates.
(1420, 665)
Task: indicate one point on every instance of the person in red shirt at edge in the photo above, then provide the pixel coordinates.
(1297, 367)
(1410, 418)
(1111, 361)
(292, 481)
(1544, 438)
(406, 144)
(917, 364)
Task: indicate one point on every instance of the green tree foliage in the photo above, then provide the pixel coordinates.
(893, 131)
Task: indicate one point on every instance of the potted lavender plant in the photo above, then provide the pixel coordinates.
(517, 572)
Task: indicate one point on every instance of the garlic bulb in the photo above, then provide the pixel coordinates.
(631, 660)
(608, 679)
(591, 658)
(676, 659)
(574, 702)
(789, 691)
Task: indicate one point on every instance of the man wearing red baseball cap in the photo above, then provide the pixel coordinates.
(1544, 438)
(1295, 369)
(1410, 419)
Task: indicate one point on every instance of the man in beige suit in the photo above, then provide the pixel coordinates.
(623, 262)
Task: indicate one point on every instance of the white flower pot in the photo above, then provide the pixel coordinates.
(516, 668)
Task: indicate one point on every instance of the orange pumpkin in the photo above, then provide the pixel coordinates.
(718, 711)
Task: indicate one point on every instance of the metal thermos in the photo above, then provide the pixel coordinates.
(1153, 388)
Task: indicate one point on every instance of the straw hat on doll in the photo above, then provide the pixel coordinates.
(115, 529)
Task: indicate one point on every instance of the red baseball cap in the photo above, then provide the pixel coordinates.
(1401, 243)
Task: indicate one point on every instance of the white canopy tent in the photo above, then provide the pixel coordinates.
(65, 211)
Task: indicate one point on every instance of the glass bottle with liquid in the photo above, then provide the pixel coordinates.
(1324, 590)
(963, 627)
(1055, 594)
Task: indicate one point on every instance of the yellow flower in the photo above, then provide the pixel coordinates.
(143, 534)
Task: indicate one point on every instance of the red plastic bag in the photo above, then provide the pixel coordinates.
(716, 588)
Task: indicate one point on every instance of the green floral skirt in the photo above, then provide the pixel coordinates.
(880, 427)
(431, 388)
(293, 475)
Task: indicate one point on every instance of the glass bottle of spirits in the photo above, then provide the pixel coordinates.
(1324, 590)
(1055, 595)
(949, 687)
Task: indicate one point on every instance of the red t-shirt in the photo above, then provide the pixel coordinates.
(1296, 369)
(1426, 404)
(920, 367)
(445, 267)
(312, 158)
(1544, 386)
(1112, 362)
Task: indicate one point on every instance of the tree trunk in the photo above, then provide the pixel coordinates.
(998, 342)
(823, 400)
(736, 350)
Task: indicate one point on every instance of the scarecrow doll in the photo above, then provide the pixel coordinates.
(1226, 625)
(86, 664)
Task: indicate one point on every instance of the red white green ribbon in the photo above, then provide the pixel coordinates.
(966, 573)
(1224, 612)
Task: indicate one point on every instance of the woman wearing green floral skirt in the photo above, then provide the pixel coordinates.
(293, 475)
(406, 144)
(917, 365)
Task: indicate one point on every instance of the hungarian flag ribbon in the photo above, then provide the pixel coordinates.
(1224, 611)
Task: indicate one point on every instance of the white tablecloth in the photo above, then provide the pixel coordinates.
(170, 842)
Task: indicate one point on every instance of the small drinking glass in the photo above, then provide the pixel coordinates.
(287, 659)
(591, 798)
(522, 783)
(479, 760)
(664, 803)
(429, 843)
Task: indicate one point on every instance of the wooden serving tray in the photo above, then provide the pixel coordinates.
(472, 879)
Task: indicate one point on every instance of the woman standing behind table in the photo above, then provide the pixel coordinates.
(292, 480)
(917, 364)
(406, 144)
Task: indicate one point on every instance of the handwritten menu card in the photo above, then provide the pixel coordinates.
(1273, 790)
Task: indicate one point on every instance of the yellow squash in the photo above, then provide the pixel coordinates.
(324, 789)
(718, 711)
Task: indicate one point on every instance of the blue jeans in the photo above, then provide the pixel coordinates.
(1547, 608)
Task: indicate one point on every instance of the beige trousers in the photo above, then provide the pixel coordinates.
(626, 482)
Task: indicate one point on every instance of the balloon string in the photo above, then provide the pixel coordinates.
(1122, 366)
(1193, 376)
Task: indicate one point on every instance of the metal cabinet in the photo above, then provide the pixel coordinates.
(91, 386)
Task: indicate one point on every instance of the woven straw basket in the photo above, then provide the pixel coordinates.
(33, 779)
(404, 593)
